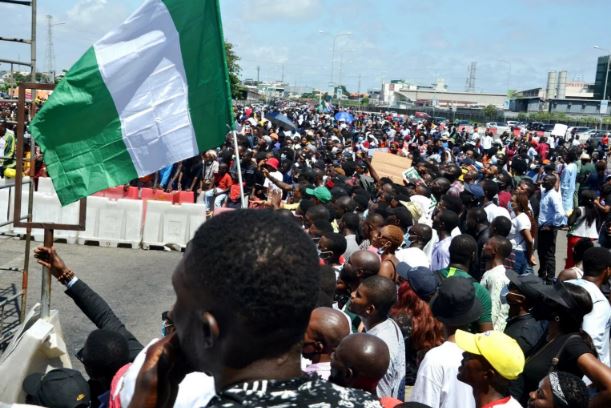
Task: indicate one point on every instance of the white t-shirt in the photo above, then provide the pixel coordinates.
(436, 383)
(495, 280)
(519, 224)
(581, 227)
(268, 183)
(390, 385)
(597, 323)
(487, 142)
(493, 211)
(414, 257)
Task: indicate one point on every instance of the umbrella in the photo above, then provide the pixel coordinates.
(281, 120)
(344, 116)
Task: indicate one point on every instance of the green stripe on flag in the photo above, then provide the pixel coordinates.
(79, 132)
(203, 51)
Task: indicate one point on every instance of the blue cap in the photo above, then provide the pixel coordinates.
(420, 278)
(475, 189)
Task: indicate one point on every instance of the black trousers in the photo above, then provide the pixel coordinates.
(547, 253)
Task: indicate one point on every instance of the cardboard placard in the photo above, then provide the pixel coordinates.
(390, 165)
(559, 130)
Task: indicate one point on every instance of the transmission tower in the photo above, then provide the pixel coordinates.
(50, 51)
(470, 86)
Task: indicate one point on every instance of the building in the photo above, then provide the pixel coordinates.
(559, 96)
(402, 95)
(602, 77)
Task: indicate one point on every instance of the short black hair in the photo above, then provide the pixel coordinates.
(105, 351)
(491, 189)
(462, 249)
(502, 245)
(337, 241)
(452, 203)
(403, 216)
(362, 201)
(595, 261)
(319, 212)
(501, 226)
(260, 270)
(326, 293)
(574, 389)
(323, 226)
(450, 219)
(381, 292)
(580, 249)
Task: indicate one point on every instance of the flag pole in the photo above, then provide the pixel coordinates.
(239, 168)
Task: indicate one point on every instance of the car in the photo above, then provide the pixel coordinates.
(463, 122)
(575, 130)
(498, 128)
(512, 123)
(586, 135)
(535, 126)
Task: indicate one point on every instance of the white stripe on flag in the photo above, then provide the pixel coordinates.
(142, 67)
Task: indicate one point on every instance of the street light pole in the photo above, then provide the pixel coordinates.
(335, 37)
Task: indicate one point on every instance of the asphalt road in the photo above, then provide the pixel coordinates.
(135, 283)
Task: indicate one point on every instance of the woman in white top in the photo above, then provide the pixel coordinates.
(522, 233)
(582, 222)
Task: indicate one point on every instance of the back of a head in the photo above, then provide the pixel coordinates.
(502, 246)
(450, 219)
(573, 389)
(352, 221)
(259, 271)
(337, 242)
(462, 249)
(596, 260)
(105, 351)
(367, 261)
(490, 188)
(573, 319)
(326, 293)
(452, 203)
(501, 225)
(328, 326)
(366, 355)
(381, 292)
(318, 212)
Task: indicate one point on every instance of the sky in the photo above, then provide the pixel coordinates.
(513, 42)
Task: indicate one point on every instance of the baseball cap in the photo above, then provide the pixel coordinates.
(474, 189)
(528, 284)
(455, 303)
(62, 387)
(321, 193)
(501, 351)
(420, 279)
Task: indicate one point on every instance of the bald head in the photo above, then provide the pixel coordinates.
(366, 263)
(326, 329)
(360, 361)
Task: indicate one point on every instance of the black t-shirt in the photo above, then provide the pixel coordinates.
(538, 365)
(527, 331)
(297, 392)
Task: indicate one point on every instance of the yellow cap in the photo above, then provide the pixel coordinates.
(501, 351)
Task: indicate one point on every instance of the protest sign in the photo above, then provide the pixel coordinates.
(390, 165)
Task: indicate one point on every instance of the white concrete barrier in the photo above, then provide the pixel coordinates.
(5, 197)
(113, 222)
(171, 225)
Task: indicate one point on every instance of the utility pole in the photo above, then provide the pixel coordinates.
(282, 74)
(33, 45)
(258, 72)
(50, 55)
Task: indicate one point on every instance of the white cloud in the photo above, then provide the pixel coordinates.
(94, 17)
(273, 10)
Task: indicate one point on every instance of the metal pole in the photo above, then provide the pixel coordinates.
(33, 44)
(333, 61)
(28, 236)
(45, 291)
(239, 167)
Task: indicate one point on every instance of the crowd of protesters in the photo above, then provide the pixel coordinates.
(342, 288)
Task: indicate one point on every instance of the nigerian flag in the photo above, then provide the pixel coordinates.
(148, 94)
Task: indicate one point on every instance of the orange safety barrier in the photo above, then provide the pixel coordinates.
(182, 197)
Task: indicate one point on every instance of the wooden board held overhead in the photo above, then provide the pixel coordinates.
(390, 165)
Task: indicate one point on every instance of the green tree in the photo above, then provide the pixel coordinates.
(490, 111)
(234, 70)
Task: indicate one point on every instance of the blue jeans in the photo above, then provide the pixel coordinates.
(521, 265)
(213, 202)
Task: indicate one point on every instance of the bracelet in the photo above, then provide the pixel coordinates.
(65, 277)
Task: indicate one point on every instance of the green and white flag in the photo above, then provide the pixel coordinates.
(148, 94)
